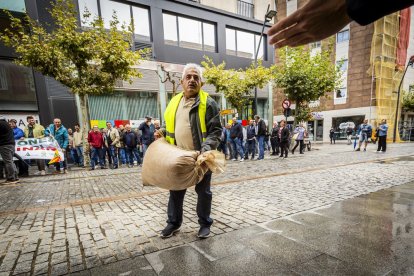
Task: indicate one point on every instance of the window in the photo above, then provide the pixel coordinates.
(189, 33)
(141, 23)
(342, 36)
(123, 13)
(344, 65)
(13, 5)
(170, 29)
(17, 89)
(245, 8)
(244, 44)
(315, 45)
(341, 93)
(92, 7)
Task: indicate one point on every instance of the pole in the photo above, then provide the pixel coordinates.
(398, 103)
(255, 59)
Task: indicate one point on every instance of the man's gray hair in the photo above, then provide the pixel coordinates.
(189, 66)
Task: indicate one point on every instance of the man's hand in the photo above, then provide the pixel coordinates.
(316, 20)
(21, 138)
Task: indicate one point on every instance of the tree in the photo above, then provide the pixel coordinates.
(236, 85)
(172, 77)
(305, 77)
(408, 101)
(88, 61)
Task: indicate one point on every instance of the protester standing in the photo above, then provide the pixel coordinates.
(71, 148)
(274, 139)
(147, 133)
(283, 136)
(18, 134)
(260, 135)
(96, 140)
(78, 144)
(349, 132)
(192, 123)
(60, 133)
(33, 130)
(332, 135)
(382, 135)
(131, 142)
(236, 135)
(121, 150)
(229, 142)
(251, 140)
(7, 149)
(112, 138)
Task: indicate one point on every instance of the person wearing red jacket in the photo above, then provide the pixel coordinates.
(95, 141)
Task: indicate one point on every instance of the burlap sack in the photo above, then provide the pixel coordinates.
(169, 167)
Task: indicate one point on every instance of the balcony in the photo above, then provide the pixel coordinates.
(245, 8)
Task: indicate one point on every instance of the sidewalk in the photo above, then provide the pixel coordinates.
(368, 235)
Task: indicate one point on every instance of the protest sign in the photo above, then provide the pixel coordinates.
(38, 148)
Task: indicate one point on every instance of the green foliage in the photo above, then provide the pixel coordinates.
(408, 101)
(305, 77)
(236, 85)
(88, 60)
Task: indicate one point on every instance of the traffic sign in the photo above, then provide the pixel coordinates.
(286, 104)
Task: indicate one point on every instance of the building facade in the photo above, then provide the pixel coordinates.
(362, 94)
(176, 31)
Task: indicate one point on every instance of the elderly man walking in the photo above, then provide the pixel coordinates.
(192, 123)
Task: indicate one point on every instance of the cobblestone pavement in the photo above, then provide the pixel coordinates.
(67, 223)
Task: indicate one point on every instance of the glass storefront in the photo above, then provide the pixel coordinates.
(13, 5)
(17, 88)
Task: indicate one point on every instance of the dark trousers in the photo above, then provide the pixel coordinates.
(175, 203)
(131, 153)
(7, 152)
(298, 142)
(251, 148)
(106, 152)
(275, 145)
(284, 148)
(382, 143)
(97, 156)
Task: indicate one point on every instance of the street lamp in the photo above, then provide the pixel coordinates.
(268, 17)
(410, 63)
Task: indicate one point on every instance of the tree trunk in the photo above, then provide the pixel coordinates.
(83, 100)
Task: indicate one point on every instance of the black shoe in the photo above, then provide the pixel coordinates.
(169, 231)
(358, 149)
(204, 232)
(26, 174)
(301, 153)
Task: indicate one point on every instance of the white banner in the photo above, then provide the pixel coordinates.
(38, 148)
(20, 118)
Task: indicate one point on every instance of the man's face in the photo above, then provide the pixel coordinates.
(365, 121)
(77, 128)
(157, 124)
(12, 124)
(251, 122)
(108, 125)
(128, 128)
(104, 131)
(282, 123)
(31, 121)
(70, 131)
(121, 127)
(96, 129)
(191, 82)
(57, 123)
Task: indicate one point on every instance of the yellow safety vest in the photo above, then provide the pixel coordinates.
(169, 115)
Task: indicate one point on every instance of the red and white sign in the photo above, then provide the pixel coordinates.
(286, 104)
(38, 148)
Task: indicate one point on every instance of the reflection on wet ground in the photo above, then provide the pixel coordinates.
(369, 235)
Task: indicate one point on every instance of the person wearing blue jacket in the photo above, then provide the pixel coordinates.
(382, 135)
(236, 136)
(17, 132)
(60, 133)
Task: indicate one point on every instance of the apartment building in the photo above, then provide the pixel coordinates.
(176, 31)
(367, 90)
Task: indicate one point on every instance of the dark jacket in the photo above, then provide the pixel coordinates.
(236, 131)
(251, 132)
(6, 134)
(131, 139)
(213, 126)
(261, 128)
(95, 139)
(147, 133)
(367, 11)
(275, 133)
(284, 137)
